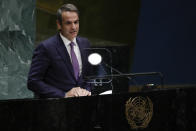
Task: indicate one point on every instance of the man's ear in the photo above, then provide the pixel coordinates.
(58, 25)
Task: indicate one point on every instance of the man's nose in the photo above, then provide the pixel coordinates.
(73, 26)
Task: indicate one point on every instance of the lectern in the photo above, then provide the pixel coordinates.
(158, 110)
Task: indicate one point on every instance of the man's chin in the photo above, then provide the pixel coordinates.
(73, 36)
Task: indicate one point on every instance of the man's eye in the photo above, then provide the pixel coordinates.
(76, 22)
(68, 23)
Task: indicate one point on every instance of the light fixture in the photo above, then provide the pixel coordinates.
(94, 58)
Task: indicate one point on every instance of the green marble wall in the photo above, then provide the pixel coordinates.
(17, 35)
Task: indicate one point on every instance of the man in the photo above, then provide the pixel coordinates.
(60, 62)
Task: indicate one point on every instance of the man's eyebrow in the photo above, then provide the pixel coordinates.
(69, 22)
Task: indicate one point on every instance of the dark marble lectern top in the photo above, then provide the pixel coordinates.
(172, 110)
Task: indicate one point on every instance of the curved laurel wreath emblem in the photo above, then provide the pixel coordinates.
(139, 111)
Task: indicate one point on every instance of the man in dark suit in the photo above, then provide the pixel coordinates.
(60, 62)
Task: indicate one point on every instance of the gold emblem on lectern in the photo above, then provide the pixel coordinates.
(139, 112)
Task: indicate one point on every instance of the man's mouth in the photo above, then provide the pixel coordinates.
(73, 32)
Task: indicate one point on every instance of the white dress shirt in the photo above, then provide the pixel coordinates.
(76, 50)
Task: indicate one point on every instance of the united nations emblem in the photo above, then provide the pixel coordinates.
(139, 111)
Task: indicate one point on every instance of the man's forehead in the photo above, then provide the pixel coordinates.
(70, 16)
(69, 13)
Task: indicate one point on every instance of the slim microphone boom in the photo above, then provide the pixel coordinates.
(126, 75)
(120, 74)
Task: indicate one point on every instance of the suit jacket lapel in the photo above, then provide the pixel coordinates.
(64, 54)
(81, 50)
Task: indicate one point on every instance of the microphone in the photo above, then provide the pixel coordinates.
(129, 76)
(117, 71)
(95, 59)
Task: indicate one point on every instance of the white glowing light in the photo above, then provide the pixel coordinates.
(94, 58)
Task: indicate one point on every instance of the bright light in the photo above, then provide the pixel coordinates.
(94, 58)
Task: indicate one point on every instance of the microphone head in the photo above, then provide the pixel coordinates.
(95, 59)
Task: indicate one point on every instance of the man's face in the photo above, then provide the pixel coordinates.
(70, 25)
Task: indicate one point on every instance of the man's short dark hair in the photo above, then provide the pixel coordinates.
(66, 7)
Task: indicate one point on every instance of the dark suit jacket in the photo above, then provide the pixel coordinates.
(51, 73)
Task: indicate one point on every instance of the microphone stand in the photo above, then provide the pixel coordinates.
(120, 74)
(129, 75)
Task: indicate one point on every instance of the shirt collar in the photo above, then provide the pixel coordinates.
(66, 41)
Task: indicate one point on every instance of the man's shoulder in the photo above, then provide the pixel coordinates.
(83, 41)
(50, 41)
(82, 38)
(48, 44)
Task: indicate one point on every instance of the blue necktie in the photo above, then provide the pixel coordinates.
(75, 63)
